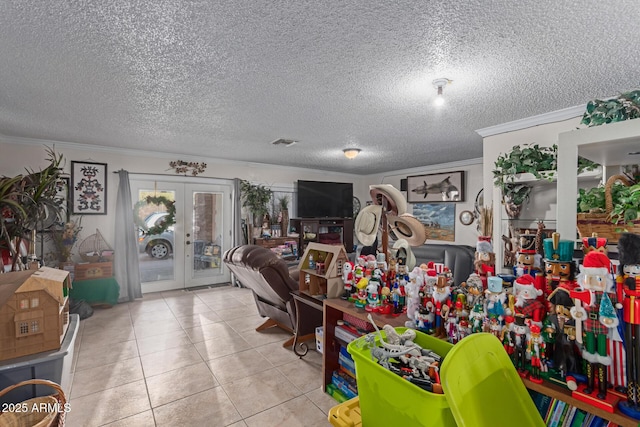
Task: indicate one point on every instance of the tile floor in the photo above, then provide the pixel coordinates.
(184, 358)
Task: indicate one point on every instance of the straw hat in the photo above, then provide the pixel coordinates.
(367, 223)
(402, 244)
(407, 227)
(396, 203)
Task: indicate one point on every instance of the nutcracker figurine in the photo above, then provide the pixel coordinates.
(519, 340)
(597, 315)
(559, 267)
(485, 261)
(442, 304)
(527, 303)
(527, 259)
(536, 350)
(628, 291)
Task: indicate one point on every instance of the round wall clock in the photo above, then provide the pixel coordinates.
(356, 206)
(466, 217)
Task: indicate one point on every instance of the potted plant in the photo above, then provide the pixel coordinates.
(539, 161)
(255, 197)
(625, 106)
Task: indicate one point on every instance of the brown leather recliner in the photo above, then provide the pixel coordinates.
(268, 276)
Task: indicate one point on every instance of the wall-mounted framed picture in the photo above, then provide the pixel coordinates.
(88, 188)
(438, 219)
(437, 187)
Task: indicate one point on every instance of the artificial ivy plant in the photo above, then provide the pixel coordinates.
(625, 106)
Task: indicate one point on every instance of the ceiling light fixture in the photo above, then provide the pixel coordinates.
(439, 84)
(351, 153)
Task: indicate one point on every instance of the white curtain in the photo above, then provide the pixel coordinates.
(125, 263)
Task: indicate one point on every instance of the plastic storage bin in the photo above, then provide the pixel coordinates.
(51, 365)
(386, 399)
(481, 388)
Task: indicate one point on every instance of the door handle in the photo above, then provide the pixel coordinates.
(188, 242)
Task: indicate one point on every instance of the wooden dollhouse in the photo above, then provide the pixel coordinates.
(34, 311)
(321, 270)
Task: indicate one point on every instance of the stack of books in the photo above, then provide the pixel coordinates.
(558, 413)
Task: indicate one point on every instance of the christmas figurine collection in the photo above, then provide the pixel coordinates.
(574, 325)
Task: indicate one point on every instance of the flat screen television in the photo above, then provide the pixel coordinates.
(320, 199)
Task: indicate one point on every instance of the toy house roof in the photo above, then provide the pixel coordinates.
(46, 279)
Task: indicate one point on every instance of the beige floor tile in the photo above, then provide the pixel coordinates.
(238, 365)
(304, 374)
(207, 408)
(147, 305)
(259, 392)
(170, 359)
(199, 319)
(221, 302)
(189, 310)
(179, 383)
(109, 405)
(100, 378)
(143, 419)
(322, 400)
(210, 331)
(238, 424)
(156, 343)
(245, 323)
(238, 312)
(109, 335)
(147, 329)
(221, 346)
(104, 354)
(266, 336)
(277, 354)
(152, 316)
(293, 413)
(105, 325)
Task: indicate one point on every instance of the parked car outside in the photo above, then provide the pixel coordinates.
(157, 246)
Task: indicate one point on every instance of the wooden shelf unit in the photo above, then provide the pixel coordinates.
(334, 310)
(316, 226)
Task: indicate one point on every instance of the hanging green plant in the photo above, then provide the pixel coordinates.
(625, 106)
(163, 224)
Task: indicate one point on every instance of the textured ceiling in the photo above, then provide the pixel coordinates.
(225, 78)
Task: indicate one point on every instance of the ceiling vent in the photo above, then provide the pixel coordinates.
(285, 142)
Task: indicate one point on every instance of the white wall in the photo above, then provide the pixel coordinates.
(464, 234)
(18, 154)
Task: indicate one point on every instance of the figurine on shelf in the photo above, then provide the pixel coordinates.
(559, 267)
(412, 289)
(559, 331)
(527, 303)
(520, 339)
(442, 303)
(628, 290)
(361, 297)
(398, 297)
(528, 261)
(536, 350)
(495, 299)
(485, 261)
(597, 315)
(347, 279)
(373, 297)
(507, 336)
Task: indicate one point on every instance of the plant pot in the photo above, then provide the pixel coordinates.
(285, 222)
(513, 210)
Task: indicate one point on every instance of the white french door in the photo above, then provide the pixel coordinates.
(189, 253)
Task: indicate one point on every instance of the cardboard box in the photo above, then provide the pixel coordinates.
(93, 270)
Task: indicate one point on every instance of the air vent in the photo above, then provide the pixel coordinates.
(285, 142)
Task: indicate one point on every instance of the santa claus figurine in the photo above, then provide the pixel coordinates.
(527, 303)
(347, 279)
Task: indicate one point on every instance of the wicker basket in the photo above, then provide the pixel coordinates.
(48, 416)
(600, 223)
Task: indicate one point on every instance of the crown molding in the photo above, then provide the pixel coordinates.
(429, 168)
(156, 154)
(541, 119)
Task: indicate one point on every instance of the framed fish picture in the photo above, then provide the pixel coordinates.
(437, 187)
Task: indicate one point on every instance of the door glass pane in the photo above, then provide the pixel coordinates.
(155, 250)
(207, 233)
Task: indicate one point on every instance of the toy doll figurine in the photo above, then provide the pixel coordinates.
(398, 297)
(520, 339)
(559, 267)
(628, 291)
(347, 279)
(442, 303)
(527, 303)
(361, 300)
(495, 299)
(527, 259)
(536, 350)
(506, 336)
(373, 297)
(597, 315)
(485, 261)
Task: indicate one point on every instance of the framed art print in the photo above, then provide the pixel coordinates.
(88, 188)
(437, 187)
(438, 220)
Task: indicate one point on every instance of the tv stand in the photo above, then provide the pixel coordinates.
(311, 229)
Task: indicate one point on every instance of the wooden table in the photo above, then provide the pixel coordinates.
(308, 318)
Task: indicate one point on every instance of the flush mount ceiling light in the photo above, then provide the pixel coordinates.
(439, 84)
(351, 153)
